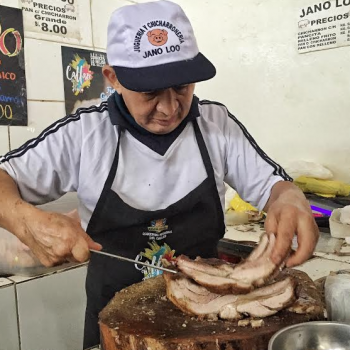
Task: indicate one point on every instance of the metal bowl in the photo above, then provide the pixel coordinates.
(317, 335)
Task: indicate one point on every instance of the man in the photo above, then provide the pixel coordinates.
(149, 166)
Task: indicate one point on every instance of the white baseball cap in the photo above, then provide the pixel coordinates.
(152, 46)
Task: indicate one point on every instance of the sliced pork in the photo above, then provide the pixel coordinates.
(194, 299)
(263, 302)
(226, 278)
(260, 249)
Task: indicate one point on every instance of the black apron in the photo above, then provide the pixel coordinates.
(191, 226)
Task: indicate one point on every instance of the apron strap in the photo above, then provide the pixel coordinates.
(108, 184)
(113, 171)
(204, 151)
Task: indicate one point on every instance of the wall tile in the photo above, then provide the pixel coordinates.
(85, 28)
(51, 311)
(44, 70)
(40, 116)
(8, 320)
(4, 140)
(4, 282)
(100, 19)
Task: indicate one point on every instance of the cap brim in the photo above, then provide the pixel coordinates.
(166, 75)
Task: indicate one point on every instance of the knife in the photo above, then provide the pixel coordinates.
(132, 261)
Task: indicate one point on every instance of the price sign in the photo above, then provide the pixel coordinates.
(324, 25)
(58, 18)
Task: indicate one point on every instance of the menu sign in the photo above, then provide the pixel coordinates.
(13, 92)
(84, 83)
(324, 25)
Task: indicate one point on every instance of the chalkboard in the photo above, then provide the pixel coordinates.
(84, 83)
(13, 91)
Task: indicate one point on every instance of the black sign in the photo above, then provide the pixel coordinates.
(13, 92)
(84, 83)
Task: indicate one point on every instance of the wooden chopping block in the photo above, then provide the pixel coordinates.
(141, 318)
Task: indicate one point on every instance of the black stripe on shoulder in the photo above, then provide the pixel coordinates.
(78, 112)
(32, 143)
(278, 170)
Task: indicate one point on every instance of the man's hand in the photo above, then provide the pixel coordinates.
(55, 238)
(289, 213)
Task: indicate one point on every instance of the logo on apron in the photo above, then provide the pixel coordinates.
(156, 255)
(158, 230)
(158, 226)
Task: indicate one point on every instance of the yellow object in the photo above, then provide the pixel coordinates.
(239, 205)
(325, 188)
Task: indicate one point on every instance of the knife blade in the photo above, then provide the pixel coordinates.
(132, 261)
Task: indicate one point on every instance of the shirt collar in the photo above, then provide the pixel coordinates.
(119, 114)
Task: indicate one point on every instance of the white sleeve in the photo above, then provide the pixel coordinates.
(47, 167)
(248, 168)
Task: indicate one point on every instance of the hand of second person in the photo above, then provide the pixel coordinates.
(288, 215)
(56, 238)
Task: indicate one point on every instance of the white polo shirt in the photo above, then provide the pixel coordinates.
(75, 154)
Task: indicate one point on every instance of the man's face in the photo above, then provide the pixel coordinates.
(159, 112)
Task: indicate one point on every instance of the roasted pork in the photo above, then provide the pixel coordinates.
(195, 299)
(226, 278)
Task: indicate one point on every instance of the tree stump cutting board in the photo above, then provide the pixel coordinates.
(141, 318)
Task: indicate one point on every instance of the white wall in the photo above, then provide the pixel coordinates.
(295, 105)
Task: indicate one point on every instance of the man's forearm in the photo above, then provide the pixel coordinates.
(286, 191)
(13, 208)
(52, 237)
